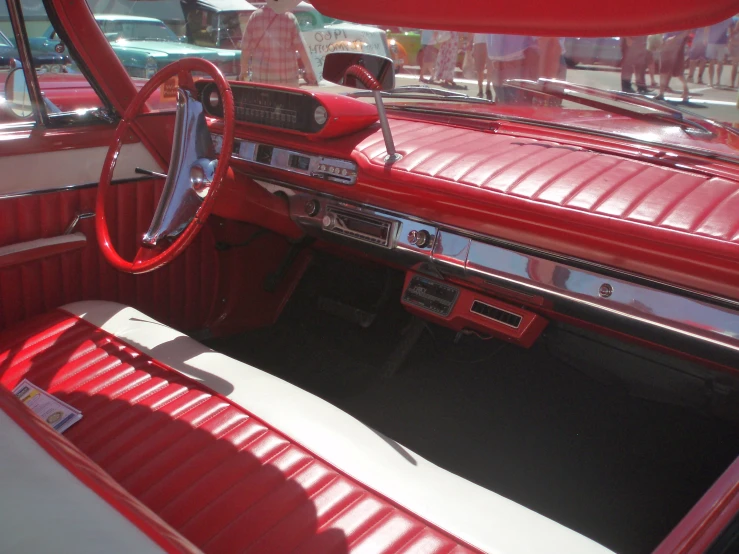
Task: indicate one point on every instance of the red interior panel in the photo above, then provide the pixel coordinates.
(223, 478)
(182, 294)
(525, 331)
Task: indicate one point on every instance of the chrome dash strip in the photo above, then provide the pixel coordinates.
(687, 316)
(687, 313)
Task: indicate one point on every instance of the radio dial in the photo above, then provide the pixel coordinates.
(422, 238)
(327, 221)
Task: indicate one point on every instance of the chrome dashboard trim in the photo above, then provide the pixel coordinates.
(336, 170)
(691, 314)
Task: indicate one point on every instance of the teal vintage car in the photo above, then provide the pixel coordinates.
(145, 45)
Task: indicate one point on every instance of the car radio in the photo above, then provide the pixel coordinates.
(360, 226)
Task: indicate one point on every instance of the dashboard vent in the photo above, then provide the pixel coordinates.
(491, 312)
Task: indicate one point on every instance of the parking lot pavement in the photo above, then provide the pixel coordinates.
(712, 103)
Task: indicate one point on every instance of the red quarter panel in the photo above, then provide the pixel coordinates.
(180, 294)
(223, 478)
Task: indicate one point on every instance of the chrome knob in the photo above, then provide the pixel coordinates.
(423, 239)
(312, 207)
(327, 221)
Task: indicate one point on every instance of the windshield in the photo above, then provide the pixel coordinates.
(688, 75)
(122, 29)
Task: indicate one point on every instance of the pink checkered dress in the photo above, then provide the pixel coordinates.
(269, 47)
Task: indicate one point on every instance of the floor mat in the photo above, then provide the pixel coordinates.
(522, 423)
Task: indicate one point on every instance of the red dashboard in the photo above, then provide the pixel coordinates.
(537, 226)
(668, 224)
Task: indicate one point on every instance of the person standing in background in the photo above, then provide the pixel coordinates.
(427, 55)
(697, 55)
(654, 45)
(482, 62)
(734, 53)
(634, 62)
(446, 62)
(271, 38)
(673, 63)
(513, 57)
(717, 50)
(550, 57)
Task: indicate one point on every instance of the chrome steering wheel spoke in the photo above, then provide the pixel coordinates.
(191, 169)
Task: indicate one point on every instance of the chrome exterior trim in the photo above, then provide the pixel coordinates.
(191, 169)
(24, 53)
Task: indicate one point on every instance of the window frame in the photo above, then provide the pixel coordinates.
(41, 117)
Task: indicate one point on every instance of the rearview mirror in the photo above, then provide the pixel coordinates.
(359, 70)
(17, 97)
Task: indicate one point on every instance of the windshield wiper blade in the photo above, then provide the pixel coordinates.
(613, 101)
(419, 92)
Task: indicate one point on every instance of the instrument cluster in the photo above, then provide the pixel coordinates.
(289, 110)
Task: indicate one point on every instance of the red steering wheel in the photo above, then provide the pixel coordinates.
(149, 258)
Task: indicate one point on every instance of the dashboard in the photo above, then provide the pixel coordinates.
(455, 275)
(290, 110)
(443, 263)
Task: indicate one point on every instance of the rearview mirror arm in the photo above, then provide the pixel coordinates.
(392, 155)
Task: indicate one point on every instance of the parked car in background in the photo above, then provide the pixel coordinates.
(216, 23)
(221, 23)
(593, 51)
(48, 60)
(168, 11)
(145, 45)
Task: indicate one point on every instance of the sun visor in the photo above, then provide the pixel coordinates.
(576, 18)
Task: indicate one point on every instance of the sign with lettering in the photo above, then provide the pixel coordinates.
(343, 37)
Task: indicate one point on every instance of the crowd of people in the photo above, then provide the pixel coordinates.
(497, 58)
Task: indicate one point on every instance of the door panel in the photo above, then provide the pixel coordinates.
(181, 294)
(61, 167)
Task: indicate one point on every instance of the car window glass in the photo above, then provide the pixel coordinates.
(685, 69)
(64, 88)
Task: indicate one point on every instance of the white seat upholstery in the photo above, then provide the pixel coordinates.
(480, 517)
(45, 508)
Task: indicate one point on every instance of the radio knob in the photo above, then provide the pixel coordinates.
(312, 207)
(327, 221)
(423, 239)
